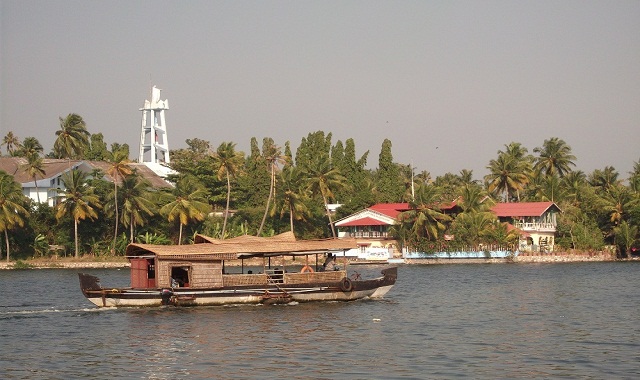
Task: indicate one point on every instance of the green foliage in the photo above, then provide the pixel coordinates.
(598, 209)
(22, 265)
(148, 238)
(40, 245)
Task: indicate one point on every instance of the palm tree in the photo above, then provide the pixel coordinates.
(474, 199)
(12, 211)
(323, 180)
(272, 155)
(12, 142)
(507, 175)
(226, 161)
(188, 202)
(554, 157)
(118, 168)
(625, 236)
(295, 195)
(425, 216)
(605, 179)
(78, 200)
(34, 168)
(574, 183)
(30, 147)
(73, 137)
(136, 202)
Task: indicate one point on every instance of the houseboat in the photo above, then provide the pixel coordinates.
(242, 270)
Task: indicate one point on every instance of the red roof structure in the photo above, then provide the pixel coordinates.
(522, 209)
(390, 209)
(366, 221)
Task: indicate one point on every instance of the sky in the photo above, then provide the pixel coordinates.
(449, 83)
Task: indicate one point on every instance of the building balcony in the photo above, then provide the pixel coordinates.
(539, 227)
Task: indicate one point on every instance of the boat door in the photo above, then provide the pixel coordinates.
(142, 273)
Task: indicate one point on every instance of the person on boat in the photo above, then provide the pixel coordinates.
(330, 263)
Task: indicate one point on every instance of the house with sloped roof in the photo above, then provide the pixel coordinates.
(537, 222)
(43, 188)
(372, 229)
(371, 226)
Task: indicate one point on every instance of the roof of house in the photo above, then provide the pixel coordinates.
(366, 221)
(522, 209)
(390, 209)
(367, 217)
(52, 167)
(56, 167)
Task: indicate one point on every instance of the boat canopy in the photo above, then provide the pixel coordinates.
(242, 247)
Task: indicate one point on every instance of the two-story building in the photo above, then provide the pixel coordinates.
(372, 226)
(537, 222)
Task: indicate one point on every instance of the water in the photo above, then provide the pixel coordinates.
(439, 321)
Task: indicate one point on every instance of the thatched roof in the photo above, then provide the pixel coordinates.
(285, 236)
(242, 247)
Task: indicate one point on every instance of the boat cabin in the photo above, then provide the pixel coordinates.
(212, 263)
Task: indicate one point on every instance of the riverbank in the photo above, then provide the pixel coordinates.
(90, 262)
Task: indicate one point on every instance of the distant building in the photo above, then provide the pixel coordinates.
(371, 226)
(48, 184)
(536, 220)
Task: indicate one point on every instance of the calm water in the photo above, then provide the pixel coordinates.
(439, 321)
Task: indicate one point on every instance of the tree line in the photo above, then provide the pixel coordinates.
(222, 192)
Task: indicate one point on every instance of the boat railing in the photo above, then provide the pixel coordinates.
(300, 278)
(287, 278)
(244, 279)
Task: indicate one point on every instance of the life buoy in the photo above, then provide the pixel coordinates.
(306, 269)
(346, 285)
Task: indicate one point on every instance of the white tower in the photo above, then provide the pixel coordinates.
(154, 146)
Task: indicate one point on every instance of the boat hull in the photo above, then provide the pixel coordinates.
(343, 290)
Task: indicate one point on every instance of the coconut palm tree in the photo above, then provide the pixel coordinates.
(187, 203)
(554, 157)
(73, 137)
(227, 162)
(136, 202)
(322, 181)
(118, 168)
(30, 147)
(272, 155)
(625, 236)
(34, 168)
(574, 184)
(77, 200)
(473, 198)
(12, 142)
(507, 175)
(605, 179)
(425, 216)
(294, 195)
(12, 211)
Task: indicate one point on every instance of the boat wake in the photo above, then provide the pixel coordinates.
(35, 313)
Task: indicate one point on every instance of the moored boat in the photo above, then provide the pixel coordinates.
(212, 272)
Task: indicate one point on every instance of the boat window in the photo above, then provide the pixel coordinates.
(180, 275)
(151, 270)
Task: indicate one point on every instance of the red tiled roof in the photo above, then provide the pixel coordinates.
(390, 209)
(522, 209)
(367, 221)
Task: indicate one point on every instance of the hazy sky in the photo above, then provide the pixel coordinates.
(448, 82)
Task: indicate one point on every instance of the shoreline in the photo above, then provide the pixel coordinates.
(121, 262)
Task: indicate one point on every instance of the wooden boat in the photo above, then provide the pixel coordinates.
(212, 272)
